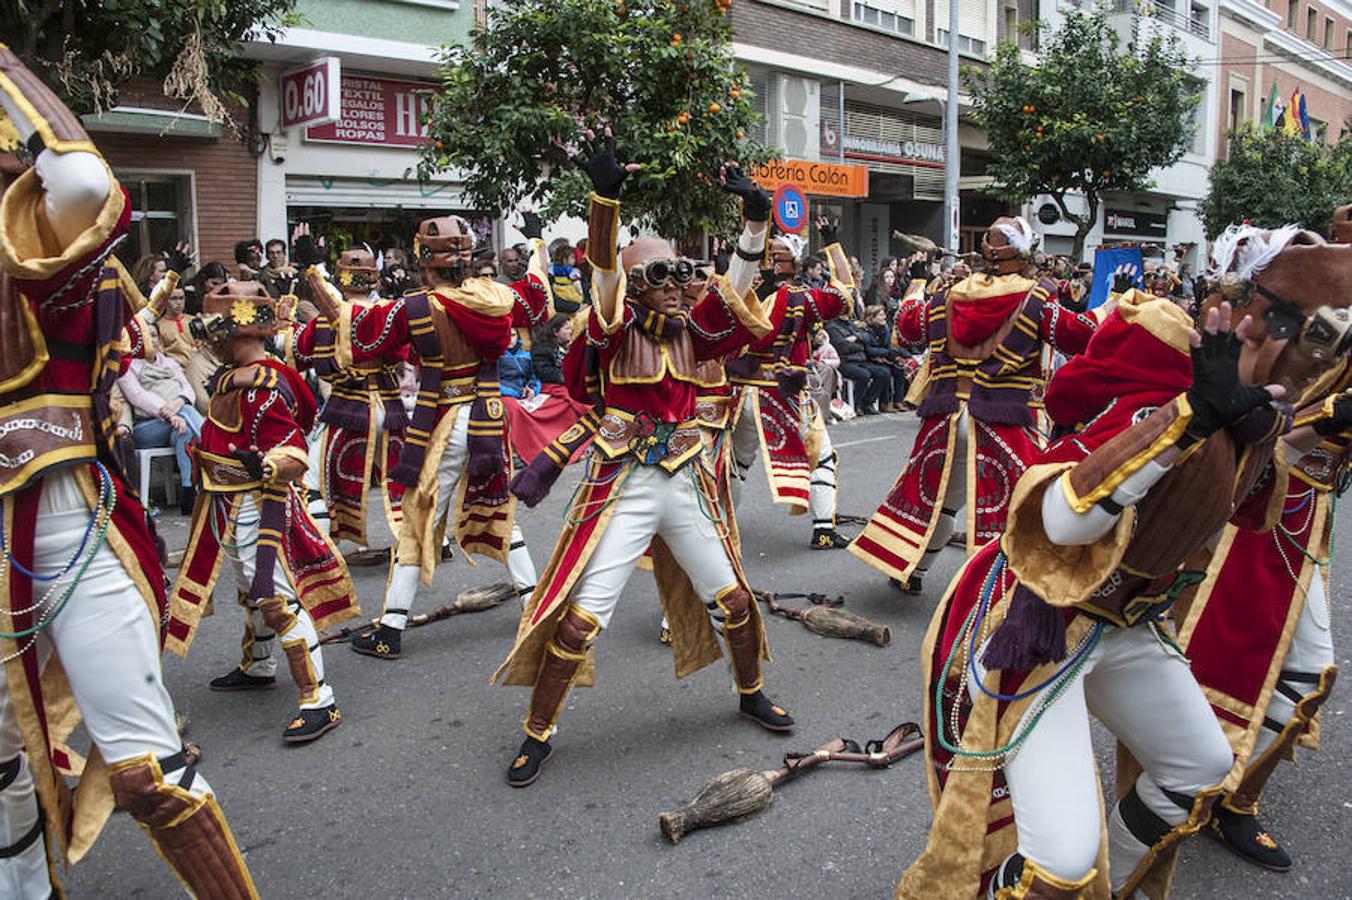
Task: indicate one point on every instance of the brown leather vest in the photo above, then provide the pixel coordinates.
(644, 360)
(454, 346)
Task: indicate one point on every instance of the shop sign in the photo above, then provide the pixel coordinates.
(822, 179)
(1136, 223)
(310, 94)
(919, 153)
(378, 111)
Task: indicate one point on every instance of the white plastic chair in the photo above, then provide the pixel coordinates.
(144, 458)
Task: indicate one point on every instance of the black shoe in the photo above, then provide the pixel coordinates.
(912, 585)
(1247, 837)
(828, 539)
(382, 643)
(239, 680)
(312, 724)
(526, 767)
(187, 496)
(758, 708)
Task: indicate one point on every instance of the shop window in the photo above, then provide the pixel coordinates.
(889, 16)
(161, 213)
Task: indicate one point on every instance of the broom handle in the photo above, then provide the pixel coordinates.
(347, 631)
(792, 768)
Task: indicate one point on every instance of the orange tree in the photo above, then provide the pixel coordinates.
(1093, 115)
(541, 78)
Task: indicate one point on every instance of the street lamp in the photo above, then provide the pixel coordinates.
(949, 111)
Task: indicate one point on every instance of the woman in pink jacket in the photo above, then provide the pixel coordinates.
(161, 399)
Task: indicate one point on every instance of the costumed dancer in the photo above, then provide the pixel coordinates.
(455, 460)
(82, 580)
(1257, 629)
(251, 509)
(363, 419)
(773, 412)
(1162, 443)
(645, 484)
(984, 335)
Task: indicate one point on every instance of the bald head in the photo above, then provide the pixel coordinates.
(645, 250)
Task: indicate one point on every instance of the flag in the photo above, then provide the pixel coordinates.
(1290, 121)
(1304, 120)
(1274, 108)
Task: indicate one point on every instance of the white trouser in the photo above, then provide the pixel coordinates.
(652, 503)
(403, 588)
(258, 634)
(1146, 694)
(955, 495)
(1311, 650)
(746, 444)
(108, 643)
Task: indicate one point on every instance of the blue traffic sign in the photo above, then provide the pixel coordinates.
(790, 209)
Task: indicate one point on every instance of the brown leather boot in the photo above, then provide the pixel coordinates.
(1022, 879)
(744, 646)
(564, 655)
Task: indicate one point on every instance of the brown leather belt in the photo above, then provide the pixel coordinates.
(1125, 598)
(653, 443)
(41, 432)
(458, 391)
(712, 411)
(223, 474)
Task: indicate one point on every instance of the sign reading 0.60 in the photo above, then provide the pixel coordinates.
(310, 95)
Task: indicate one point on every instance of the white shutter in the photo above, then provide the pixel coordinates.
(972, 16)
(799, 111)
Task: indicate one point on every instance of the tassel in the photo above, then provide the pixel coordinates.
(1032, 634)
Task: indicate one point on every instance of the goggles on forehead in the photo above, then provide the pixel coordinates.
(660, 272)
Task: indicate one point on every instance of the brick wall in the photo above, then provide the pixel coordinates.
(226, 177)
(825, 38)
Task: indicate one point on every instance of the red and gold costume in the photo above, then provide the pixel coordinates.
(1056, 616)
(787, 428)
(83, 582)
(985, 336)
(455, 460)
(364, 416)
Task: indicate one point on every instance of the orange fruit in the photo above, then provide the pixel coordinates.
(714, 108)
(683, 118)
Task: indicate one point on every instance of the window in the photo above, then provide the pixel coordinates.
(1199, 21)
(1292, 14)
(161, 213)
(889, 16)
(1328, 33)
(1238, 114)
(965, 44)
(1311, 23)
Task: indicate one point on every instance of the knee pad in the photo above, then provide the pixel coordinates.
(576, 630)
(735, 602)
(139, 788)
(276, 614)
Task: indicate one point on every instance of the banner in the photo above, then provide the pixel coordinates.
(380, 111)
(1106, 263)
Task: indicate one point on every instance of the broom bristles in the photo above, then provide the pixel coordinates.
(732, 796)
(838, 623)
(486, 597)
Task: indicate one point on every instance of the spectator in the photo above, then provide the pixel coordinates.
(515, 375)
(175, 336)
(148, 271)
(813, 275)
(512, 264)
(877, 339)
(854, 364)
(564, 278)
(824, 374)
(249, 259)
(548, 346)
(279, 276)
(121, 414)
(396, 279)
(211, 276)
(485, 264)
(162, 407)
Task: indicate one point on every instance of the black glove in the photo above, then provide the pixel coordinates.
(755, 199)
(767, 284)
(252, 461)
(531, 226)
(606, 174)
(307, 252)
(829, 232)
(177, 260)
(1217, 396)
(790, 382)
(1339, 421)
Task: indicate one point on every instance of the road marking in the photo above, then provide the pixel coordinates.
(881, 437)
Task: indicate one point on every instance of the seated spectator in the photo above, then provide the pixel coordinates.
(823, 373)
(162, 406)
(201, 366)
(516, 378)
(175, 336)
(549, 343)
(878, 347)
(867, 379)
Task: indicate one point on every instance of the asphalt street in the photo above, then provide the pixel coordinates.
(409, 798)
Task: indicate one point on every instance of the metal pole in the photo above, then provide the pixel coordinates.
(951, 159)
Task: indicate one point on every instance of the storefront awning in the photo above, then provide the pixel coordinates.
(372, 193)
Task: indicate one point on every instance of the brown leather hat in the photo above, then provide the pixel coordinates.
(246, 305)
(356, 270)
(1342, 225)
(1007, 245)
(440, 243)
